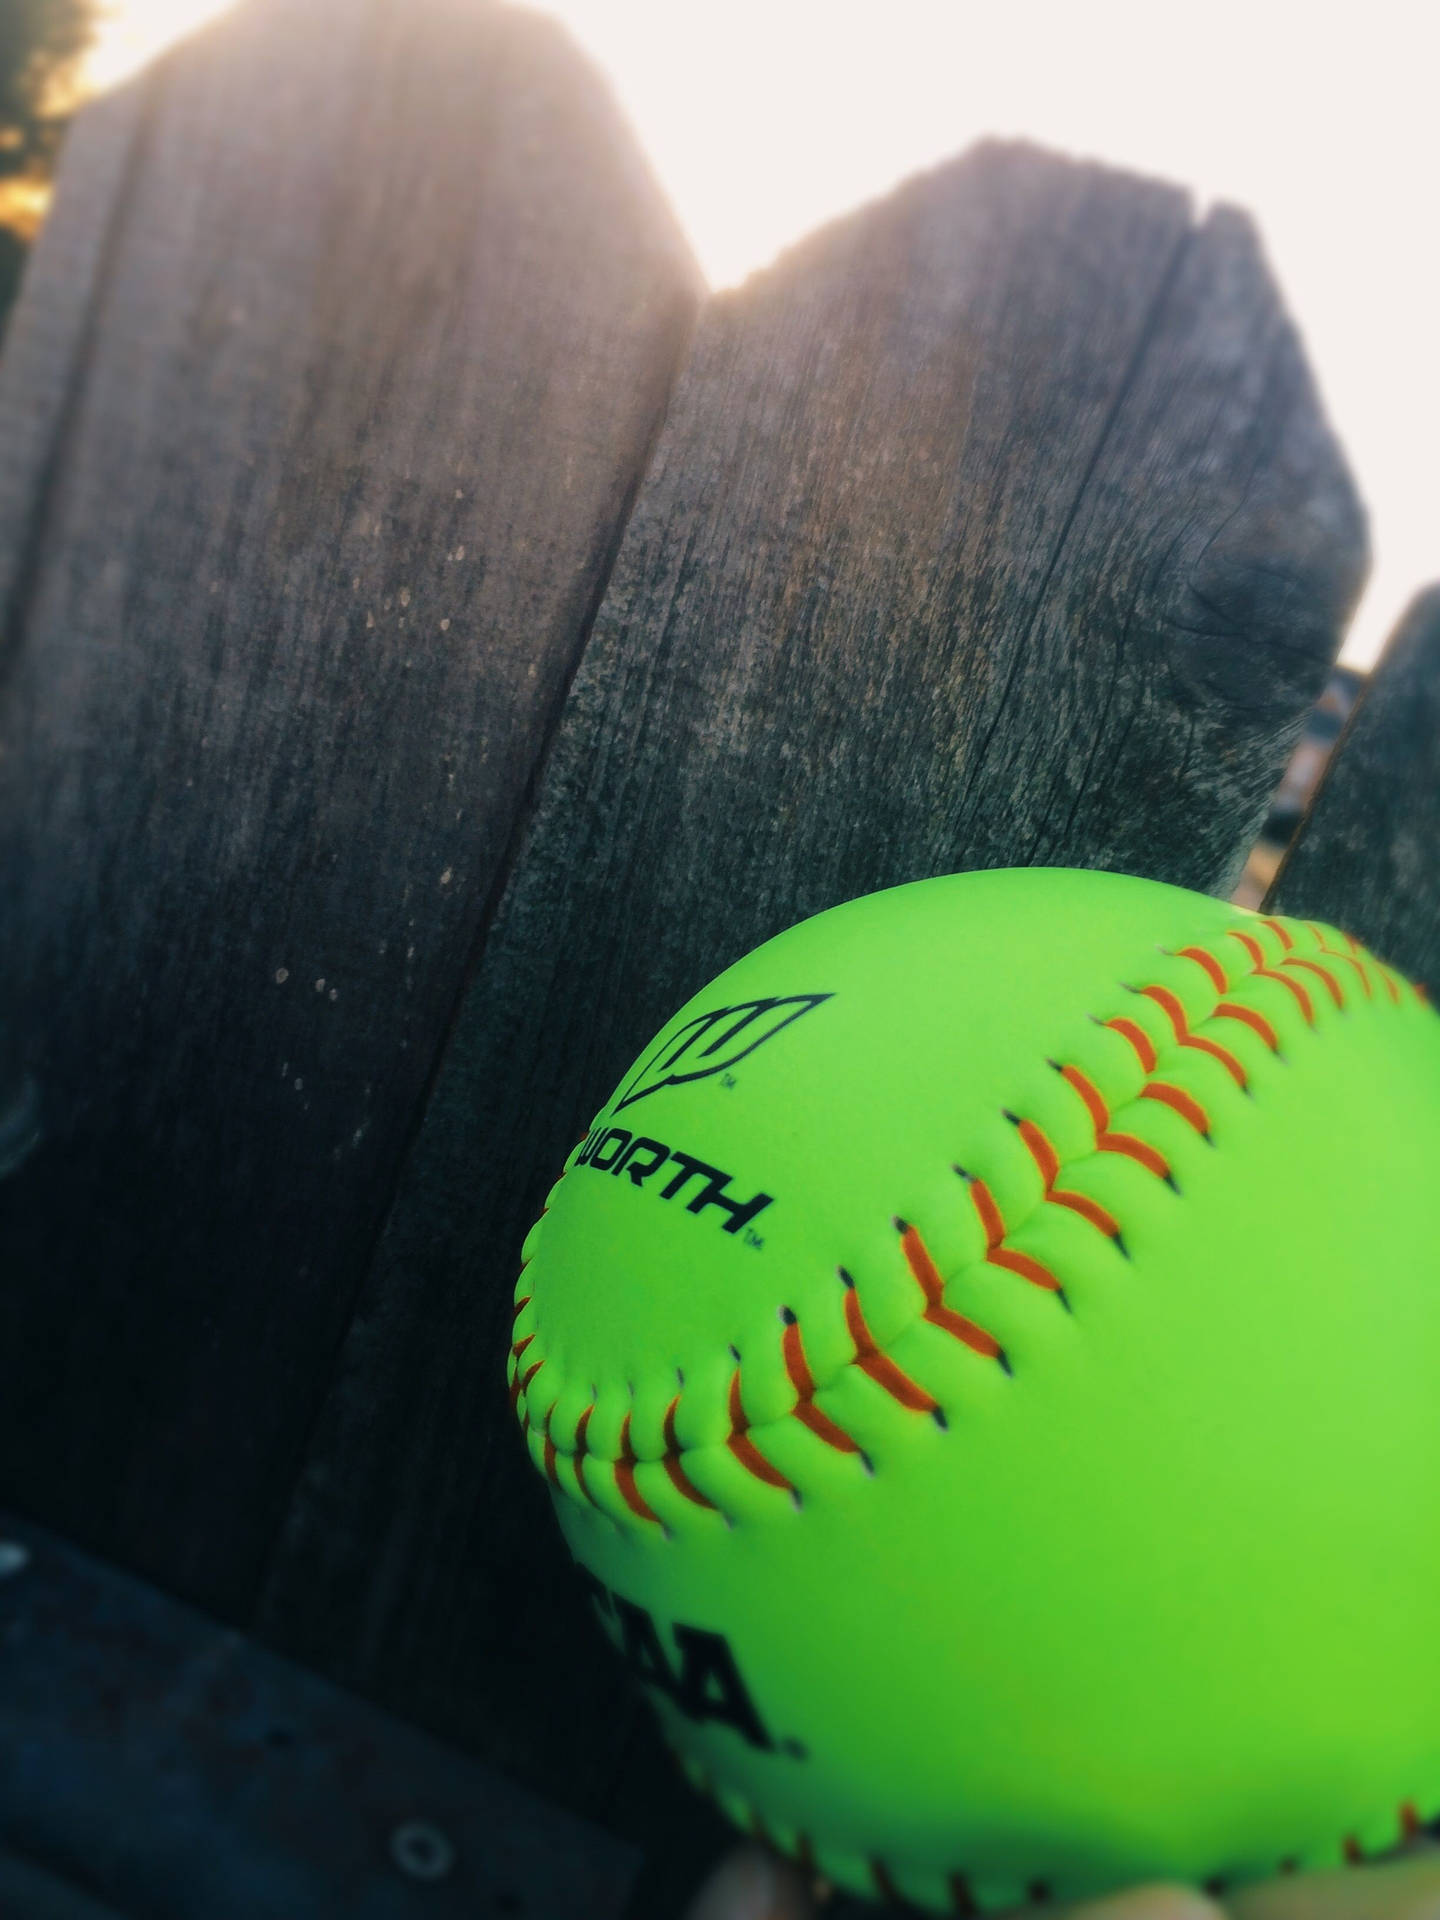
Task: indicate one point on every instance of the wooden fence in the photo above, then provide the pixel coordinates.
(435, 637)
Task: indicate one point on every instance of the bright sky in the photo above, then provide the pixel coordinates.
(765, 117)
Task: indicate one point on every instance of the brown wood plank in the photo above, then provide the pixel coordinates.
(352, 420)
(997, 523)
(1367, 855)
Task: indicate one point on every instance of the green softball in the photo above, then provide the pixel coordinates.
(986, 1357)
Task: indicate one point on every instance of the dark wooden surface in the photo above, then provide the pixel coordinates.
(337, 422)
(175, 1770)
(1365, 857)
(32, 1892)
(996, 524)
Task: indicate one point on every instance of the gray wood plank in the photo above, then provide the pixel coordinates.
(1366, 857)
(353, 418)
(997, 523)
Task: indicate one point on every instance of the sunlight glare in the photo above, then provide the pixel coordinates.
(765, 118)
(131, 32)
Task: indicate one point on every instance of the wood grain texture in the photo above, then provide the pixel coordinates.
(995, 524)
(390, 312)
(1366, 857)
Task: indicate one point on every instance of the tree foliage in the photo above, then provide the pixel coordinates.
(40, 41)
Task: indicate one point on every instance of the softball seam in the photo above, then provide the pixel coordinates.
(1304, 976)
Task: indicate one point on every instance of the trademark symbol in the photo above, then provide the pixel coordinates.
(727, 1080)
(753, 1239)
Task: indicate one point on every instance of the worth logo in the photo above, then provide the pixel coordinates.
(713, 1042)
(700, 1678)
(636, 1158)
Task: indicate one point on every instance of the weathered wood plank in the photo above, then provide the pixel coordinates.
(995, 524)
(390, 315)
(1367, 855)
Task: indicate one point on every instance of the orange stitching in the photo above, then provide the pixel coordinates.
(1261, 972)
(1324, 946)
(1025, 1267)
(744, 1448)
(1041, 1151)
(1179, 1102)
(917, 1257)
(625, 1477)
(1175, 1013)
(1280, 930)
(990, 1220)
(679, 1479)
(582, 1448)
(868, 1355)
(803, 1381)
(517, 1385)
(1211, 965)
(1107, 1142)
(1085, 1087)
(1139, 1040)
(1314, 966)
(1257, 1023)
(878, 1366)
(1048, 1161)
(1370, 959)
(997, 1254)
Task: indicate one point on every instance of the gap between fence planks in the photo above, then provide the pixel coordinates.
(1367, 854)
(997, 523)
(330, 386)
